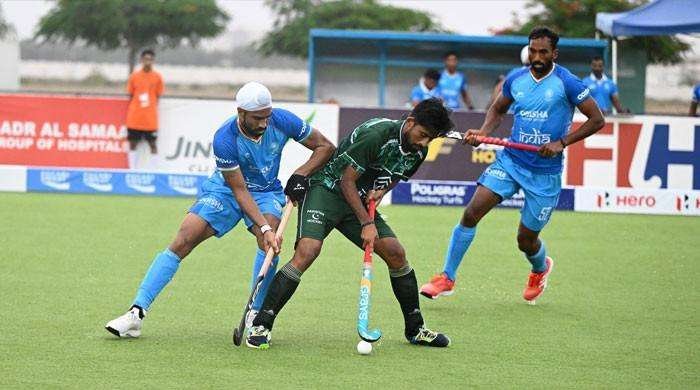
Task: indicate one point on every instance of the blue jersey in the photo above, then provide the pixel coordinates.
(696, 93)
(451, 87)
(543, 110)
(259, 161)
(420, 92)
(602, 91)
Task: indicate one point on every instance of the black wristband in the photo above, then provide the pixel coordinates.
(367, 224)
(563, 144)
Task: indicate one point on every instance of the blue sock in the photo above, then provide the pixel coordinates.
(459, 243)
(259, 259)
(538, 259)
(162, 270)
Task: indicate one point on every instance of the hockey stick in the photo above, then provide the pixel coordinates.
(495, 141)
(238, 332)
(366, 334)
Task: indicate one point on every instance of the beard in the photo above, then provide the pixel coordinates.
(541, 67)
(407, 146)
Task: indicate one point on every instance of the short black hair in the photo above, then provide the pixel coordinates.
(450, 53)
(544, 32)
(432, 74)
(147, 52)
(597, 58)
(434, 116)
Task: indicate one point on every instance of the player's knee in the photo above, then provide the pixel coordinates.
(470, 217)
(183, 244)
(526, 243)
(393, 254)
(305, 253)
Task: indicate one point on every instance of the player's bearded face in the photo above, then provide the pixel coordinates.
(597, 68)
(542, 55)
(255, 122)
(415, 137)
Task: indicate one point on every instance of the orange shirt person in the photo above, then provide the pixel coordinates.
(145, 86)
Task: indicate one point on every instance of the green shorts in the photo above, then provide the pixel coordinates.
(323, 210)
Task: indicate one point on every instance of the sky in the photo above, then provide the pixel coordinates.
(251, 19)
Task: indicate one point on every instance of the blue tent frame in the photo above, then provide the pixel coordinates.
(385, 39)
(660, 17)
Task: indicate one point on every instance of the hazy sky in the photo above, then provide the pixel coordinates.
(471, 17)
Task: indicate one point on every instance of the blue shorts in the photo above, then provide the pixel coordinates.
(222, 212)
(505, 177)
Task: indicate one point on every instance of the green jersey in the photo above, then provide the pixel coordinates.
(373, 149)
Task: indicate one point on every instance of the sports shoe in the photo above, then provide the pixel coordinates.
(127, 325)
(429, 338)
(537, 282)
(258, 337)
(439, 285)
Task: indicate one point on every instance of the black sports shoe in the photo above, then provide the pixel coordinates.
(429, 338)
(258, 337)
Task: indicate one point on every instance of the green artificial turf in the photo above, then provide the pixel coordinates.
(622, 309)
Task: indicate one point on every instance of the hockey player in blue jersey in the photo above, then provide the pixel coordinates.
(244, 186)
(543, 98)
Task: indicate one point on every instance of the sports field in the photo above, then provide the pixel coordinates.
(622, 310)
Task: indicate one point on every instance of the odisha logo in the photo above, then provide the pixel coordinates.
(533, 114)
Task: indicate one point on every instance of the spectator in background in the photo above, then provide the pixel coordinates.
(695, 100)
(453, 84)
(524, 59)
(145, 86)
(603, 90)
(427, 87)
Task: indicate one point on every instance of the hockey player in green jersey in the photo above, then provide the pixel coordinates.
(366, 165)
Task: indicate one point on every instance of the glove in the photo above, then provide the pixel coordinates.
(296, 187)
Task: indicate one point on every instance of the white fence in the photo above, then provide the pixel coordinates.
(172, 74)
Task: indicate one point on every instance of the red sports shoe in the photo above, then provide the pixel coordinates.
(537, 282)
(439, 285)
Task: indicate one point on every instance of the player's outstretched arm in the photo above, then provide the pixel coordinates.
(494, 116)
(234, 179)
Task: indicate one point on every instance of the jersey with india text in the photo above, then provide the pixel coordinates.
(259, 161)
(543, 110)
(374, 150)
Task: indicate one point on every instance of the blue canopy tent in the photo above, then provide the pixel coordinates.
(660, 17)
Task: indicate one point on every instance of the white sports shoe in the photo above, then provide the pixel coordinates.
(127, 325)
(249, 318)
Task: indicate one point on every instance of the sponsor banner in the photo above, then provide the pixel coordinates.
(629, 152)
(458, 193)
(67, 131)
(63, 131)
(644, 152)
(188, 127)
(112, 182)
(637, 201)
